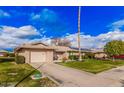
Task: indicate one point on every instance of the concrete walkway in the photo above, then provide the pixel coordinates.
(69, 77)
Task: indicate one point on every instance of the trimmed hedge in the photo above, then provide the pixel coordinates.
(7, 59)
(19, 59)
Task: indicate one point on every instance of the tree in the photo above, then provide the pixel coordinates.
(55, 41)
(115, 47)
(61, 42)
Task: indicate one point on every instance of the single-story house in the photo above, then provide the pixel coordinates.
(35, 52)
(3, 53)
(39, 52)
(99, 53)
(61, 52)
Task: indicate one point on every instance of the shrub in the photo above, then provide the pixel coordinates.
(19, 59)
(73, 57)
(64, 59)
(88, 55)
(84, 57)
(7, 59)
(11, 55)
(70, 57)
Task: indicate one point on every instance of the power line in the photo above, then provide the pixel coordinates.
(28, 75)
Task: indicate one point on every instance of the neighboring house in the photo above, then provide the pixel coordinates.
(99, 53)
(3, 53)
(61, 52)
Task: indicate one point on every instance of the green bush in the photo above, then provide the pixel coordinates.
(73, 57)
(7, 59)
(84, 57)
(70, 57)
(88, 55)
(11, 55)
(19, 59)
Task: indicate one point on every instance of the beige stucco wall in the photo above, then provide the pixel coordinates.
(27, 54)
(100, 55)
(49, 56)
(61, 55)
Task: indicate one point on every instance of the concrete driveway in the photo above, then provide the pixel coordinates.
(69, 77)
(114, 74)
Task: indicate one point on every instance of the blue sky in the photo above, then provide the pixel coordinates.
(96, 20)
(55, 20)
(99, 25)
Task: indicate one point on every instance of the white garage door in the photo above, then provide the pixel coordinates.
(38, 56)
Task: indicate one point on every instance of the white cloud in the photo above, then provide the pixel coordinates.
(45, 15)
(117, 25)
(45, 40)
(35, 16)
(19, 32)
(88, 41)
(4, 14)
(11, 37)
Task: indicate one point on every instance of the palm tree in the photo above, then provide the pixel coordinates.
(79, 48)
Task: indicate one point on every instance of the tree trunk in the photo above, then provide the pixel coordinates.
(113, 59)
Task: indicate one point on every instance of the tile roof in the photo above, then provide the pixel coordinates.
(34, 46)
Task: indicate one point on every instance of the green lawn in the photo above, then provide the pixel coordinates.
(93, 65)
(21, 70)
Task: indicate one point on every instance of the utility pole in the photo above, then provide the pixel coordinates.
(79, 17)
